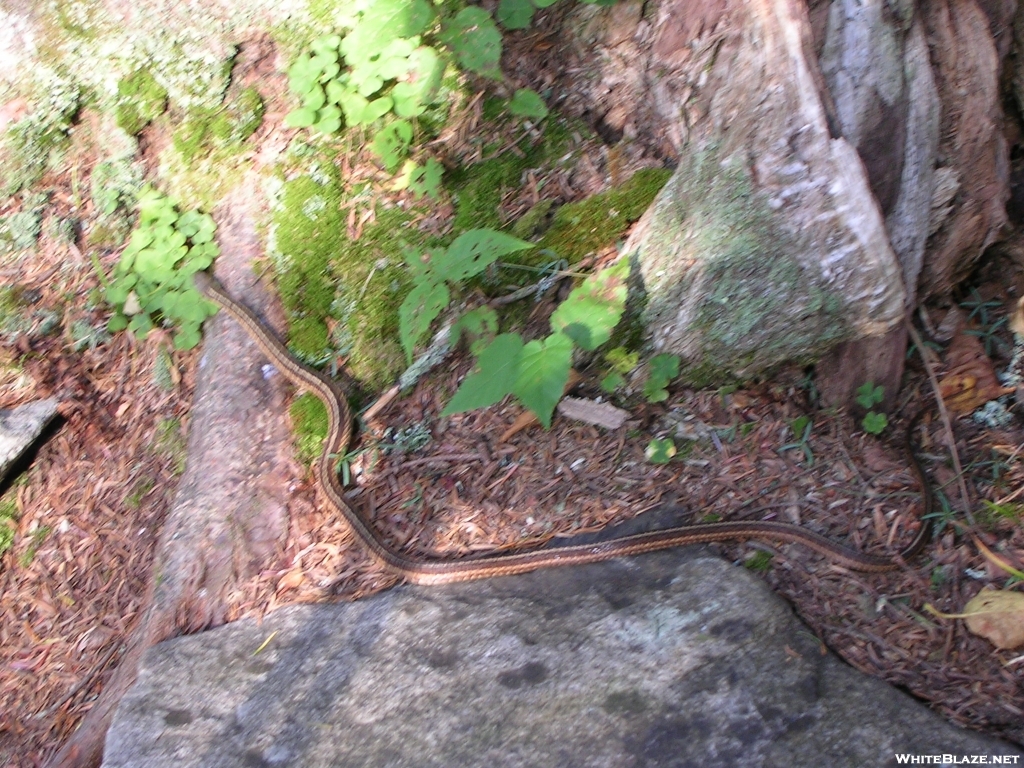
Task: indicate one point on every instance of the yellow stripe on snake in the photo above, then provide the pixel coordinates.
(422, 570)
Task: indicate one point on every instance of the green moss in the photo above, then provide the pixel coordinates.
(308, 229)
(309, 423)
(535, 221)
(140, 100)
(373, 283)
(8, 520)
(589, 225)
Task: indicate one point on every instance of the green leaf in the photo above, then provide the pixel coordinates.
(660, 451)
(426, 180)
(300, 118)
(382, 22)
(594, 308)
(330, 120)
(391, 143)
(546, 3)
(527, 103)
(515, 14)
(612, 381)
(314, 98)
(622, 360)
(479, 323)
(473, 251)
(326, 45)
(117, 323)
(874, 423)
(664, 367)
(498, 366)
(476, 41)
(424, 303)
(869, 395)
(654, 391)
(543, 371)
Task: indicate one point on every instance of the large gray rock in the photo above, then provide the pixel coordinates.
(671, 659)
(19, 428)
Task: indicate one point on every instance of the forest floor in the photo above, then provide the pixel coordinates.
(108, 473)
(89, 508)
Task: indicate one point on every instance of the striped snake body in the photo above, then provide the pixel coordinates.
(423, 570)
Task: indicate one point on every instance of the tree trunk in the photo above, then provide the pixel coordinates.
(838, 165)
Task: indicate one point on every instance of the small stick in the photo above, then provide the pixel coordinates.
(944, 415)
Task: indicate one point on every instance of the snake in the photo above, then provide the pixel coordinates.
(418, 569)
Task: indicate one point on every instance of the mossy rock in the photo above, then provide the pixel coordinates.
(581, 228)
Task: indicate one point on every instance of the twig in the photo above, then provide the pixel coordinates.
(944, 415)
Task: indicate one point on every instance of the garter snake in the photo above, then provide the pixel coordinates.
(425, 570)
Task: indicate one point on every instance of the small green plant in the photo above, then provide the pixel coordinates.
(527, 103)
(759, 562)
(660, 451)
(868, 396)
(621, 361)
(421, 179)
(663, 368)
(801, 426)
(536, 371)
(470, 254)
(153, 280)
(379, 67)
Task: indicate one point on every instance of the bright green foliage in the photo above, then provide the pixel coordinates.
(536, 372)
(515, 14)
(379, 67)
(593, 309)
(663, 368)
(543, 371)
(873, 423)
(153, 280)
(480, 325)
(622, 361)
(140, 100)
(476, 41)
(660, 451)
(527, 103)
(498, 370)
(470, 254)
(868, 395)
(391, 143)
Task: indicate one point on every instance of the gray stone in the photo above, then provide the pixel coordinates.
(19, 428)
(669, 659)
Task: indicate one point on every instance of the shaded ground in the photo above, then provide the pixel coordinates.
(96, 494)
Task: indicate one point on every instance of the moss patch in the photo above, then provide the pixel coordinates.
(309, 423)
(8, 519)
(589, 225)
(140, 100)
(308, 229)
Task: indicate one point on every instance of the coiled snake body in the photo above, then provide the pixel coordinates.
(422, 570)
